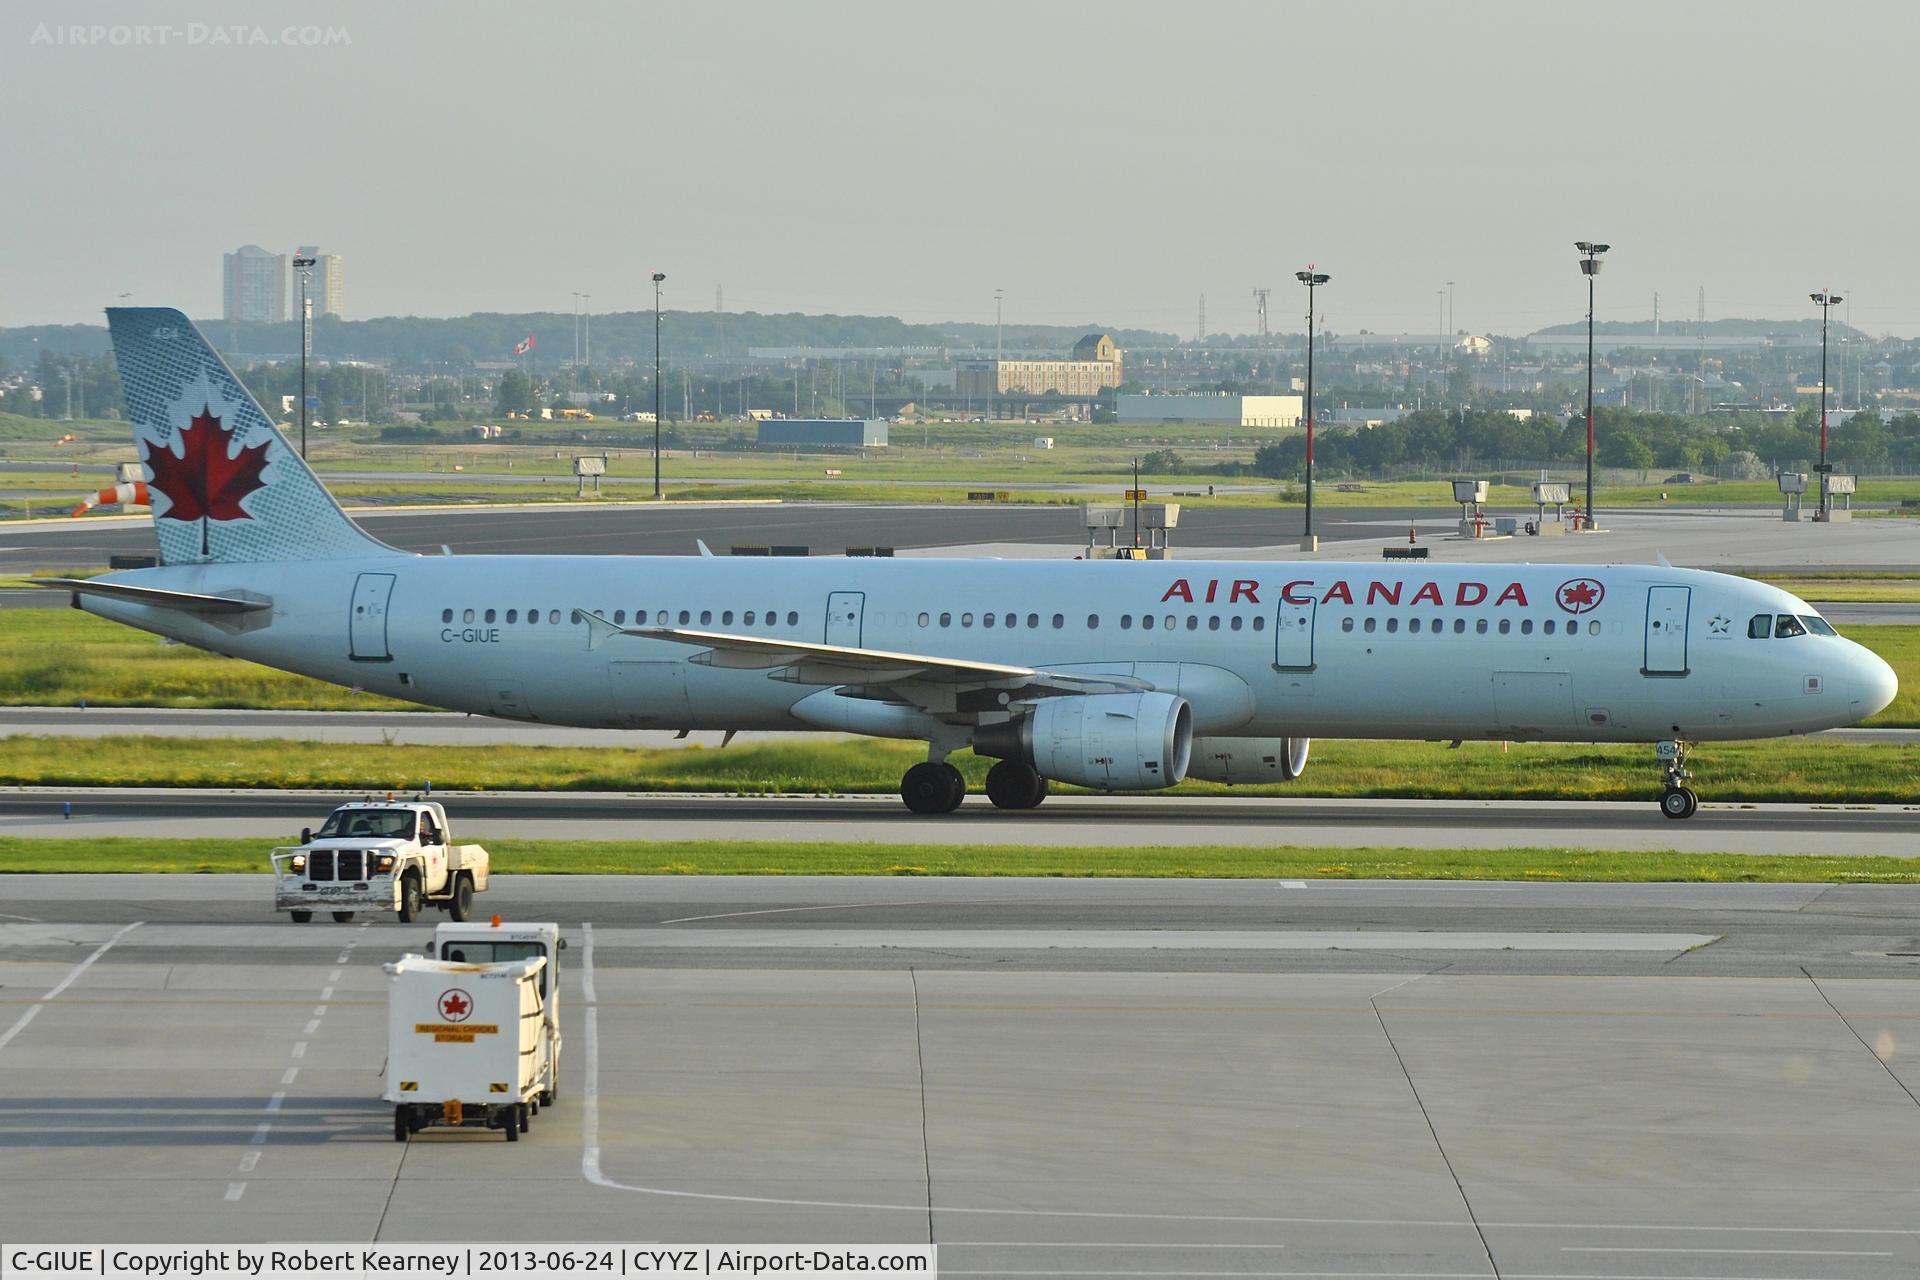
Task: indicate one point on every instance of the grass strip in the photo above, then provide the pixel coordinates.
(842, 858)
(1782, 770)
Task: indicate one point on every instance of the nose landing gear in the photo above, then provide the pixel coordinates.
(1678, 799)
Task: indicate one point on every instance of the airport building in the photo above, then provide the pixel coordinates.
(1225, 410)
(823, 433)
(255, 285)
(1095, 365)
(328, 288)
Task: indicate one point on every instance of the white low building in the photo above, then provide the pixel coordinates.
(1223, 410)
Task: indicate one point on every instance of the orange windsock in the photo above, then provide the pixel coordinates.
(126, 493)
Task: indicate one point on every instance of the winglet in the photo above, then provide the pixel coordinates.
(1664, 562)
(702, 544)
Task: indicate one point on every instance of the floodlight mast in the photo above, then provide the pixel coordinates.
(1312, 279)
(304, 265)
(658, 276)
(1826, 298)
(1590, 267)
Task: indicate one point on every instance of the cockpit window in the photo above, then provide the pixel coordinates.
(1760, 626)
(1818, 625)
(1787, 625)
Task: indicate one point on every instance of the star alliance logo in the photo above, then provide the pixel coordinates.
(1718, 624)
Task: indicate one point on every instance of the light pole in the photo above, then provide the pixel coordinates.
(576, 328)
(1312, 279)
(586, 304)
(1590, 267)
(658, 276)
(1826, 298)
(305, 267)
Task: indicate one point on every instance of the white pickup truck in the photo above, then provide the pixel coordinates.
(393, 855)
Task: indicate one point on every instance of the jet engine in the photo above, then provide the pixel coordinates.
(1114, 741)
(1249, 759)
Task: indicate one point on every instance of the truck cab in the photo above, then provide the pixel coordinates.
(392, 855)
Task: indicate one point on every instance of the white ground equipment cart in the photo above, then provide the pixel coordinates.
(471, 1044)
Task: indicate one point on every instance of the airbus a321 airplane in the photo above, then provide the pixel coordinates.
(1116, 675)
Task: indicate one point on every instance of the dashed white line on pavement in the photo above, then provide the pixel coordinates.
(73, 974)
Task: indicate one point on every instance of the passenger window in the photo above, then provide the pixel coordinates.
(513, 615)
(1506, 626)
(619, 617)
(1459, 626)
(1760, 626)
(986, 620)
(1193, 622)
(553, 617)
(685, 617)
(1146, 622)
(946, 619)
(793, 618)
(1346, 624)
(1526, 626)
(1548, 627)
(726, 619)
(1059, 621)
(748, 619)
(924, 619)
(1012, 620)
(1169, 622)
(1033, 622)
(533, 617)
(1213, 623)
(639, 617)
(1393, 625)
(446, 615)
(1787, 625)
(1367, 626)
(1413, 626)
(1237, 622)
(1093, 622)
(1480, 626)
(966, 619)
(1593, 628)
(1126, 622)
(706, 617)
(1439, 624)
(466, 615)
(1259, 623)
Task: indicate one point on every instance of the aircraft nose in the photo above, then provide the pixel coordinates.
(1874, 684)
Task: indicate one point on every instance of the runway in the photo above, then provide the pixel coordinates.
(1094, 822)
(1419, 1081)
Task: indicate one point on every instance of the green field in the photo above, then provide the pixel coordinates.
(1755, 772)
(528, 857)
(60, 657)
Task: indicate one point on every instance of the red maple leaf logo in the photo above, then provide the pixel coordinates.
(455, 1006)
(1581, 595)
(204, 483)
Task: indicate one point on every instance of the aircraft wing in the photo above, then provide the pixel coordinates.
(806, 662)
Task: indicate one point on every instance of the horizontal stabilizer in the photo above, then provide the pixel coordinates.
(185, 601)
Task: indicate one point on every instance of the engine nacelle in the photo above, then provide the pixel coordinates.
(1113, 741)
(1249, 759)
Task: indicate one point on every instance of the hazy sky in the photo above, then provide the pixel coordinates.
(1100, 162)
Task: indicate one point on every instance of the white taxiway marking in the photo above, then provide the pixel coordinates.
(1788, 1253)
(288, 1077)
(235, 1190)
(312, 1027)
(778, 911)
(8, 915)
(326, 995)
(1161, 939)
(248, 1161)
(1293, 884)
(275, 1102)
(260, 1133)
(300, 1050)
(72, 975)
(334, 976)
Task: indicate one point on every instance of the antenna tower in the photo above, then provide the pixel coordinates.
(1260, 308)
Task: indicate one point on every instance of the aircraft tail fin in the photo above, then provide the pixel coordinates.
(226, 486)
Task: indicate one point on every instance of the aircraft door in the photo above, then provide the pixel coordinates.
(1293, 636)
(1666, 644)
(367, 623)
(845, 610)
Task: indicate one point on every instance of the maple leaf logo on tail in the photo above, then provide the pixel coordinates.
(207, 480)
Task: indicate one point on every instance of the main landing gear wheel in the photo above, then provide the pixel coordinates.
(931, 787)
(1680, 802)
(1012, 785)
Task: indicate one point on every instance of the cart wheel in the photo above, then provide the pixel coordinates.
(300, 917)
(341, 917)
(400, 1126)
(512, 1124)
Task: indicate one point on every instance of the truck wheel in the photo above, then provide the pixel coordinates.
(300, 917)
(341, 917)
(409, 897)
(526, 1118)
(548, 1096)
(512, 1124)
(462, 905)
(400, 1126)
